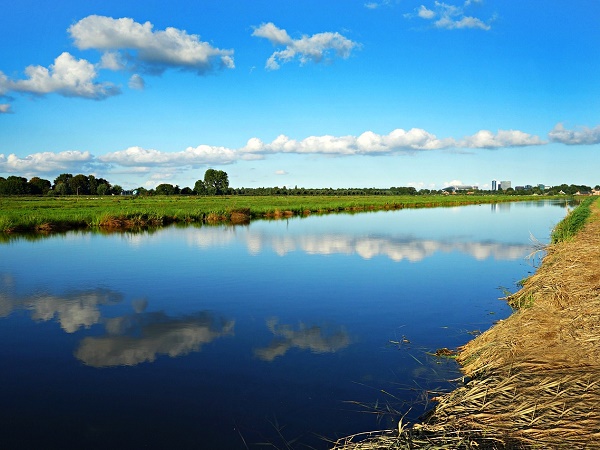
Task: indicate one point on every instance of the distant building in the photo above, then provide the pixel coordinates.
(494, 185)
(504, 185)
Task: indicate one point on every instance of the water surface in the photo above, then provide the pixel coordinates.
(282, 332)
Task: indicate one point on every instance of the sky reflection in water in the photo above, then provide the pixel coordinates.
(206, 333)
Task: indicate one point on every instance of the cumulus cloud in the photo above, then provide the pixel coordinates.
(450, 17)
(425, 13)
(4, 83)
(44, 162)
(68, 76)
(368, 143)
(136, 82)
(155, 51)
(315, 48)
(191, 156)
(581, 136)
(112, 61)
(161, 166)
(5, 108)
(280, 172)
(503, 138)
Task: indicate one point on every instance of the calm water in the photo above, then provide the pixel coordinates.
(280, 332)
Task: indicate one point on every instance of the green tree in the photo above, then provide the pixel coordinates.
(63, 179)
(14, 186)
(116, 189)
(79, 184)
(216, 181)
(39, 186)
(200, 188)
(102, 189)
(166, 189)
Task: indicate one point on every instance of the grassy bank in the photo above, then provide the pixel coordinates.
(533, 380)
(46, 214)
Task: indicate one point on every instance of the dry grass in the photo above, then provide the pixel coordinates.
(534, 378)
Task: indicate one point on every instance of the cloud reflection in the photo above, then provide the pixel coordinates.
(396, 248)
(313, 338)
(73, 311)
(148, 336)
(130, 339)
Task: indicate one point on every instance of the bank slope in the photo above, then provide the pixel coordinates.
(533, 380)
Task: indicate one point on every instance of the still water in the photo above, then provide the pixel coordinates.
(286, 333)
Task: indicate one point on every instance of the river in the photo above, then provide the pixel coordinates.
(289, 332)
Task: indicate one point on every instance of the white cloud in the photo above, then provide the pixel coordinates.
(68, 76)
(5, 108)
(375, 5)
(191, 156)
(4, 83)
(112, 61)
(158, 165)
(44, 162)
(398, 141)
(450, 17)
(425, 13)
(136, 82)
(155, 50)
(581, 136)
(504, 138)
(464, 22)
(315, 48)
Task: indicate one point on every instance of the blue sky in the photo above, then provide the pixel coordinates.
(305, 93)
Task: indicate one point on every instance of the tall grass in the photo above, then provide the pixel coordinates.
(573, 222)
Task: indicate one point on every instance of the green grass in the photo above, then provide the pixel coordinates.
(573, 222)
(45, 214)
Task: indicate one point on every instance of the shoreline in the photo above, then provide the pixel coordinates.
(36, 215)
(533, 379)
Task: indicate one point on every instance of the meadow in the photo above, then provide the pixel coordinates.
(47, 214)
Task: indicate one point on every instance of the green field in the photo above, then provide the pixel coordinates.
(47, 214)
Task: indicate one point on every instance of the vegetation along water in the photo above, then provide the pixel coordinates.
(46, 214)
(532, 380)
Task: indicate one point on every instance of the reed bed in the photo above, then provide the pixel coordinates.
(533, 380)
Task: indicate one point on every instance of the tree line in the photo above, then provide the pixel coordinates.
(216, 182)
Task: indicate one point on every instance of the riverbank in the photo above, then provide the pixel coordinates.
(532, 380)
(51, 214)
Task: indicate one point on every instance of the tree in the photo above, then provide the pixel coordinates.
(39, 186)
(102, 189)
(14, 186)
(200, 188)
(93, 184)
(79, 184)
(63, 179)
(216, 181)
(166, 189)
(116, 189)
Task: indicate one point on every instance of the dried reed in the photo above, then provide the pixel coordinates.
(534, 378)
